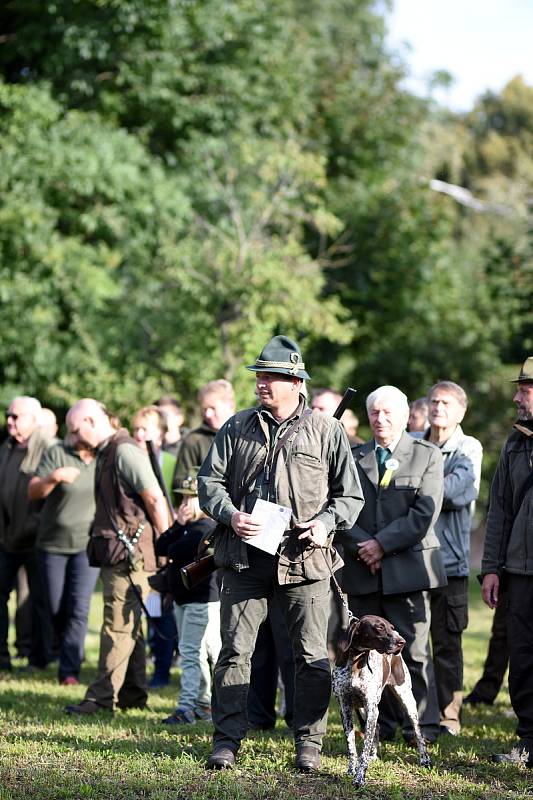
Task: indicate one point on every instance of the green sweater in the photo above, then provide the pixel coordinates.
(68, 510)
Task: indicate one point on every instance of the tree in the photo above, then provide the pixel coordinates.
(82, 209)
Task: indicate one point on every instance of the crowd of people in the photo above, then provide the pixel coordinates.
(308, 524)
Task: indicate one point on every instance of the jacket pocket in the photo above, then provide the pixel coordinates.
(306, 459)
(407, 482)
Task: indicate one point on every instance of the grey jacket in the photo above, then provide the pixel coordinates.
(314, 475)
(462, 471)
(401, 517)
(509, 531)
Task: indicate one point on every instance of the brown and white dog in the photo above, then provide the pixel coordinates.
(368, 659)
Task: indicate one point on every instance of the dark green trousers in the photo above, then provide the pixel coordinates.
(520, 641)
(497, 660)
(243, 607)
(449, 618)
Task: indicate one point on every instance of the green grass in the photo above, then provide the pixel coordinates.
(46, 755)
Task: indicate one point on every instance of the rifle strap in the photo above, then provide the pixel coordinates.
(152, 620)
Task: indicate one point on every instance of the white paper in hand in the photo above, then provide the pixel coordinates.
(153, 604)
(275, 520)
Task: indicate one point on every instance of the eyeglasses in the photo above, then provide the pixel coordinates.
(10, 414)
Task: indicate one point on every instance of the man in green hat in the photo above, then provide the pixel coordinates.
(283, 453)
(508, 553)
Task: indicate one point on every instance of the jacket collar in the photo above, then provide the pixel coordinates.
(524, 426)
(366, 456)
(451, 442)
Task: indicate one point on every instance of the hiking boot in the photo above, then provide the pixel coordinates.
(221, 758)
(307, 758)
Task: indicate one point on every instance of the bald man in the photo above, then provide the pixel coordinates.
(130, 513)
(19, 457)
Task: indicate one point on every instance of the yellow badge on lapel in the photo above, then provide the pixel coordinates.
(391, 465)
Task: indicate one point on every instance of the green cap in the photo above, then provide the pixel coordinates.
(281, 355)
(526, 373)
(189, 485)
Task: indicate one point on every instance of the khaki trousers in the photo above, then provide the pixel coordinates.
(121, 678)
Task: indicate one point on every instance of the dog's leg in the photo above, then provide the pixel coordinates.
(349, 731)
(404, 693)
(369, 745)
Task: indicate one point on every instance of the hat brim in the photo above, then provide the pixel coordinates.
(522, 380)
(302, 374)
(185, 491)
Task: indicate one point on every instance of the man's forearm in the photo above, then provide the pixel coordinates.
(39, 488)
(157, 509)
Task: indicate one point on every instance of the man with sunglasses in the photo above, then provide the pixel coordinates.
(19, 457)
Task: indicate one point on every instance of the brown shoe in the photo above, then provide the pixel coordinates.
(86, 707)
(307, 758)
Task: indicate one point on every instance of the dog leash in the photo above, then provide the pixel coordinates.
(351, 615)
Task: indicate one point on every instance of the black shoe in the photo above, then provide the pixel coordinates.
(516, 756)
(474, 699)
(447, 730)
(86, 708)
(221, 758)
(307, 758)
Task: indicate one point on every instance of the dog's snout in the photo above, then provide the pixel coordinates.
(400, 643)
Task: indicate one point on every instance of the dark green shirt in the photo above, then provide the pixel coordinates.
(68, 510)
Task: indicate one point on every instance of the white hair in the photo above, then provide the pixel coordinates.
(398, 398)
(33, 405)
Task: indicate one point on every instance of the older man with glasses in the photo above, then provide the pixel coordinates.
(19, 457)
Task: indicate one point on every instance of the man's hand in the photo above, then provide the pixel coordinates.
(65, 474)
(185, 514)
(244, 525)
(490, 589)
(371, 552)
(315, 531)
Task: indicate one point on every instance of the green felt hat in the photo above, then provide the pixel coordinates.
(281, 355)
(526, 373)
(189, 485)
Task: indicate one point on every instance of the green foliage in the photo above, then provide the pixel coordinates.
(83, 208)
(181, 180)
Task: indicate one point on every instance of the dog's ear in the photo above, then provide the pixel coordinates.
(345, 641)
(397, 676)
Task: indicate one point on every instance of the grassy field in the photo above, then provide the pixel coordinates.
(47, 755)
